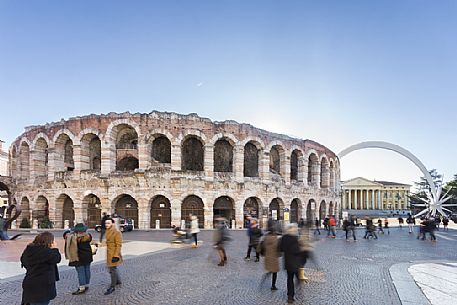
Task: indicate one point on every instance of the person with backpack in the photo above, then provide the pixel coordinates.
(78, 251)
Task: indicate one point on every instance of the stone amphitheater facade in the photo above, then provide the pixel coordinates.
(158, 168)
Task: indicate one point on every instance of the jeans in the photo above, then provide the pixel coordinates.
(249, 251)
(83, 275)
(331, 230)
(41, 303)
(194, 235)
(353, 232)
(115, 280)
(290, 284)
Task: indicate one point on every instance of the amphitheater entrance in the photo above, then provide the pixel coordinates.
(126, 206)
(275, 210)
(41, 210)
(310, 211)
(64, 207)
(295, 208)
(193, 205)
(251, 208)
(161, 211)
(25, 208)
(92, 205)
(322, 210)
(223, 207)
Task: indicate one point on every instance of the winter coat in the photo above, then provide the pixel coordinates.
(84, 250)
(270, 245)
(39, 284)
(194, 226)
(113, 247)
(255, 236)
(293, 256)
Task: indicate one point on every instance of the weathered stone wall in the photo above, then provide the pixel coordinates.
(217, 171)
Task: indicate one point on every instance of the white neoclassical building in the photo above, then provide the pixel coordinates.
(360, 195)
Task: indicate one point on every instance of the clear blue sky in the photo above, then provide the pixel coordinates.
(338, 72)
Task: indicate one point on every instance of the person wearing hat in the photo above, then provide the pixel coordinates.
(79, 253)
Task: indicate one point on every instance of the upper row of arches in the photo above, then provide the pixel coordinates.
(123, 147)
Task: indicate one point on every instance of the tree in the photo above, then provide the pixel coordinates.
(451, 186)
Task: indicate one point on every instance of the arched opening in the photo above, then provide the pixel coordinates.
(126, 148)
(332, 175)
(25, 208)
(41, 211)
(13, 167)
(91, 152)
(295, 209)
(275, 159)
(310, 211)
(294, 165)
(92, 205)
(40, 159)
(330, 209)
(193, 205)
(251, 160)
(275, 210)
(192, 154)
(160, 210)
(324, 173)
(313, 169)
(64, 208)
(24, 157)
(223, 156)
(322, 211)
(126, 207)
(64, 154)
(223, 207)
(161, 150)
(251, 208)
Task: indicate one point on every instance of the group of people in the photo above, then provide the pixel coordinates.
(294, 245)
(40, 259)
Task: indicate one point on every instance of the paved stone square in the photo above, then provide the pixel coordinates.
(352, 273)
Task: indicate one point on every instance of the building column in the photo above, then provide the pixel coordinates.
(175, 212)
(355, 200)
(238, 163)
(144, 156)
(350, 199)
(372, 200)
(381, 207)
(208, 162)
(367, 198)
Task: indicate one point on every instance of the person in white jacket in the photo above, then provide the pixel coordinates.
(194, 230)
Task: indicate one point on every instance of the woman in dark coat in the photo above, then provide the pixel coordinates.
(254, 240)
(40, 259)
(293, 257)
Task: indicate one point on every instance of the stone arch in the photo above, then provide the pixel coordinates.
(310, 210)
(64, 156)
(252, 207)
(276, 209)
(223, 155)
(296, 161)
(92, 212)
(125, 138)
(325, 174)
(193, 205)
(313, 169)
(192, 153)
(127, 207)
(224, 206)
(295, 210)
(252, 158)
(91, 152)
(68, 133)
(395, 148)
(160, 149)
(24, 160)
(41, 209)
(322, 210)
(227, 136)
(160, 210)
(40, 157)
(25, 208)
(277, 155)
(64, 206)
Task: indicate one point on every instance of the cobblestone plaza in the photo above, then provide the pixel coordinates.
(352, 273)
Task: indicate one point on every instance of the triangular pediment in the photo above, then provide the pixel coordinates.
(360, 182)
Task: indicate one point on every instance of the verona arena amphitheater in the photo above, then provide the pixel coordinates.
(166, 166)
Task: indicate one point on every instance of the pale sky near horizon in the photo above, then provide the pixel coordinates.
(337, 72)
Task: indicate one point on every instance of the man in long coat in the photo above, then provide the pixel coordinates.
(113, 253)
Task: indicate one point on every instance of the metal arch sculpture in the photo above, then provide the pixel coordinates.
(435, 201)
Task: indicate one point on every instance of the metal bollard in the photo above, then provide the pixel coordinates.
(66, 224)
(158, 224)
(13, 225)
(183, 224)
(233, 224)
(35, 224)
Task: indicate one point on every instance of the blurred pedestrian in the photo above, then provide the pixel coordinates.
(386, 226)
(194, 229)
(410, 222)
(40, 259)
(269, 249)
(292, 258)
(380, 226)
(400, 222)
(78, 251)
(331, 223)
(221, 236)
(105, 216)
(254, 240)
(317, 225)
(445, 223)
(370, 229)
(113, 254)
